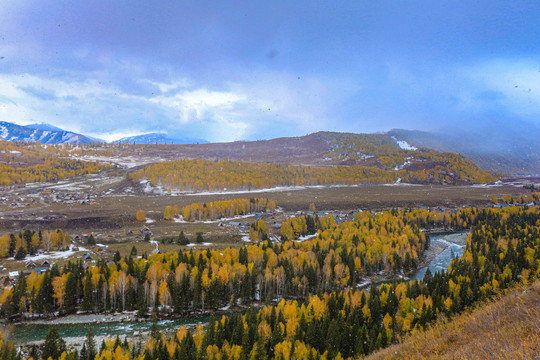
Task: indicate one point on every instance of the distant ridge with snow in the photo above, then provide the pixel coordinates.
(159, 138)
(42, 133)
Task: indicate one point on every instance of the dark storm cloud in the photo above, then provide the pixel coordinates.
(229, 70)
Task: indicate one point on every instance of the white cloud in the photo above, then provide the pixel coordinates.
(248, 108)
(516, 83)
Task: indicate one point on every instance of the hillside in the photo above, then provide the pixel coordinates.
(501, 149)
(506, 328)
(333, 159)
(22, 162)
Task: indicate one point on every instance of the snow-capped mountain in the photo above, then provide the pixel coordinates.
(43, 133)
(159, 138)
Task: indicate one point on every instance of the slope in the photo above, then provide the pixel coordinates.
(331, 158)
(500, 148)
(506, 328)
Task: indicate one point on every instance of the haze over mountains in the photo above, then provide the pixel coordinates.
(160, 138)
(502, 149)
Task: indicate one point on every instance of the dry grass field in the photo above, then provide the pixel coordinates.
(506, 328)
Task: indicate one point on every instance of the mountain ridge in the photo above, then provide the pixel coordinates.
(159, 138)
(39, 133)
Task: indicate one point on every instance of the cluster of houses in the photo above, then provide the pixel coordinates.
(66, 197)
(39, 267)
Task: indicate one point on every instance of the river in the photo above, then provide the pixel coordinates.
(75, 332)
(444, 246)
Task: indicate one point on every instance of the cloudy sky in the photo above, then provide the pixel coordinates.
(230, 70)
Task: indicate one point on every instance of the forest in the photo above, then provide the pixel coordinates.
(204, 175)
(224, 209)
(32, 162)
(313, 308)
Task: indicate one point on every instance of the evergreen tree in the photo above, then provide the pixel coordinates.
(12, 245)
(91, 240)
(182, 239)
(54, 345)
(21, 253)
(44, 299)
(70, 299)
(88, 298)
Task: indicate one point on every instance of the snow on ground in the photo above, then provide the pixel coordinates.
(407, 162)
(404, 145)
(399, 183)
(307, 237)
(149, 221)
(181, 220)
(127, 162)
(202, 244)
(159, 190)
(56, 254)
(156, 250)
(246, 238)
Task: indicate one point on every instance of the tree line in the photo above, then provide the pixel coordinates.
(503, 248)
(226, 209)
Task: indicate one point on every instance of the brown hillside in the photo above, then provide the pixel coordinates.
(507, 328)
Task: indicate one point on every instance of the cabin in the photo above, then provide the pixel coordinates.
(13, 274)
(87, 258)
(46, 264)
(30, 265)
(41, 270)
(145, 230)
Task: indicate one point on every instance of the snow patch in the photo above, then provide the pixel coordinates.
(307, 237)
(246, 238)
(404, 145)
(56, 254)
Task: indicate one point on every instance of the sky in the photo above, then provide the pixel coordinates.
(249, 70)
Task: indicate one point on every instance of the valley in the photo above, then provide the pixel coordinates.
(125, 247)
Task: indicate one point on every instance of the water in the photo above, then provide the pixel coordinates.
(31, 332)
(454, 246)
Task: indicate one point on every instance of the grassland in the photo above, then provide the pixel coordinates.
(506, 328)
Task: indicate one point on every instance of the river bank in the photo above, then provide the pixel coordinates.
(73, 328)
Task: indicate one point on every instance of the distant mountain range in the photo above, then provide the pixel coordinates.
(159, 138)
(503, 148)
(50, 134)
(43, 133)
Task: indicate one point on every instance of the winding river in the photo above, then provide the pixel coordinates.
(444, 247)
